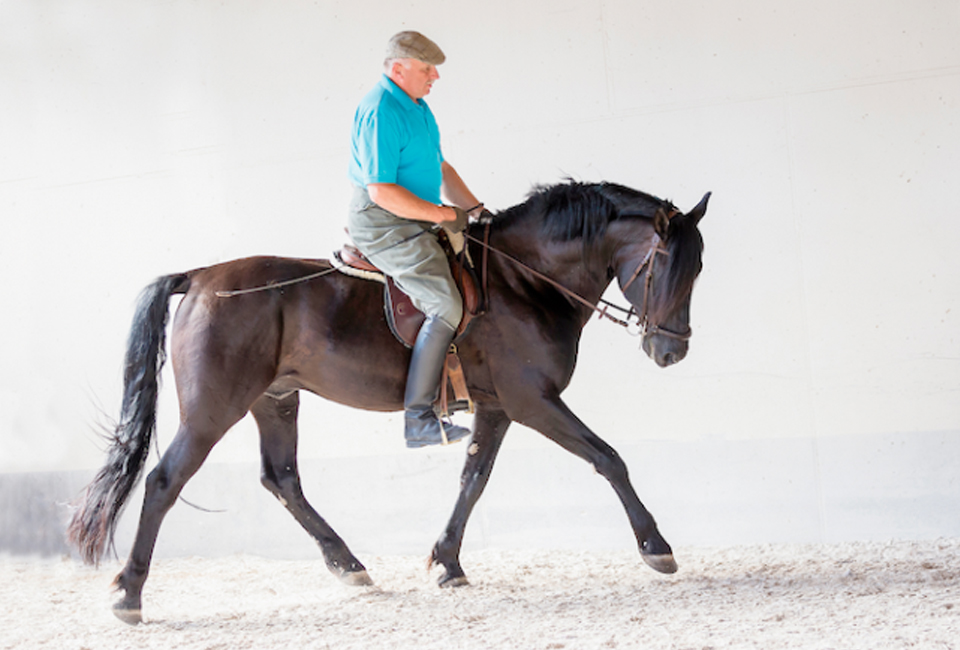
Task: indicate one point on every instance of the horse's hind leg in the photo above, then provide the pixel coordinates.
(489, 428)
(277, 420)
(163, 485)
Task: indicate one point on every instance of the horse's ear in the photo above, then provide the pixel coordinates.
(701, 209)
(661, 223)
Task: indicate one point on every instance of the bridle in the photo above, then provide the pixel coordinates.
(647, 326)
(644, 325)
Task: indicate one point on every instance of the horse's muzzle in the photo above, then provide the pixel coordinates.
(663, 350)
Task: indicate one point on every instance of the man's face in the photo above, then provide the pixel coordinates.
(414, 77)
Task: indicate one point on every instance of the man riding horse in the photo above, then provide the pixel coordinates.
(398, 172)
(302, 327)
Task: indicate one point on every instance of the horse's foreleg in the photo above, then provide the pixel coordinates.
(489, 429)
(558, 423)
(163, 485)
(277, 421)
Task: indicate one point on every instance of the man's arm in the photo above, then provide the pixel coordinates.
(404, 203)
(456, 191)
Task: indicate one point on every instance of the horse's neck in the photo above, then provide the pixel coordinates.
(566, 263)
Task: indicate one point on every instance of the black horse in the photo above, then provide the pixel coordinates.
(548, 261)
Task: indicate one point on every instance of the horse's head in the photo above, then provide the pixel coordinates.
(652, 249)
(657, 273)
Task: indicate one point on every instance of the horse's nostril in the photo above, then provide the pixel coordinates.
(669, 359)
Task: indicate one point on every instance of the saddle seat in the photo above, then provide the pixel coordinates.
(405, 319)
(351, 256)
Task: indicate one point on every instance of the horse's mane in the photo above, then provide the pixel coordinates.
(685, 246)
(574, 210)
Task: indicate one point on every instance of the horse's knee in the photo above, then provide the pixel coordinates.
(611, 467)
(284, 486)
(270, 482)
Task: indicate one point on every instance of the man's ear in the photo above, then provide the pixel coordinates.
(395, 70)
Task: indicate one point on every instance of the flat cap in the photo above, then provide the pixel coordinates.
(414, 45)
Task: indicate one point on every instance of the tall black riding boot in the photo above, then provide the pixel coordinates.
(421, 425)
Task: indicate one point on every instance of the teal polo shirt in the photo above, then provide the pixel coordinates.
(396, 140)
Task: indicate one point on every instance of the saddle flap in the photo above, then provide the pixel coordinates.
(403, 318)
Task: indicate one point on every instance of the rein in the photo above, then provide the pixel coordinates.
(567, 292)
(645, 327)
(643, 318)
(304, 278)
(274, 285)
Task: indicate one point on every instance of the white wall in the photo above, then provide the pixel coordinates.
(138, 139)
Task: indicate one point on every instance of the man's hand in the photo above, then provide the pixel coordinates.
(459, 222)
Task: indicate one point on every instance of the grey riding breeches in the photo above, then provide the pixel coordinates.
(408, 252)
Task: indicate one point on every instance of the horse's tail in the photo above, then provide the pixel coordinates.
(94, 520)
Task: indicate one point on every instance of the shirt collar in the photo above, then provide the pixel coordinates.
(405, 100)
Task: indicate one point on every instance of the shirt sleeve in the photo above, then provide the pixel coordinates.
(378, 147)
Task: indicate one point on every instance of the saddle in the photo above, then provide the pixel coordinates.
(405, 320)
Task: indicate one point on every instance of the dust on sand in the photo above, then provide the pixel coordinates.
(849, 596)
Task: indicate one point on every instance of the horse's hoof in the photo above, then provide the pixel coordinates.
(661, 563)
(455, 581)
(128, 616)
(356, 579)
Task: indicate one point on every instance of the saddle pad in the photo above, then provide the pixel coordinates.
(344, 266)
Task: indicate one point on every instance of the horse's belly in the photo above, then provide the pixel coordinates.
(358, 364)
